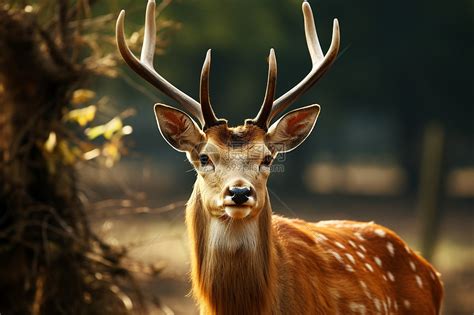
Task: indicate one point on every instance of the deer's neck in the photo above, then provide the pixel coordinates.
(233, 266)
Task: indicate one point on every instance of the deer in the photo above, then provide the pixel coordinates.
(244, 258)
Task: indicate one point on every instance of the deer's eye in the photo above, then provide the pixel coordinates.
(204, 159)
(267, 160)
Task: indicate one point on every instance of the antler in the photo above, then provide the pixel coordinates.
(144, 66)
(203, 111)
(321, 63)
(262, 117)
(207, 111)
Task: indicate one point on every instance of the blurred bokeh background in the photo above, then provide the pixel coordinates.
(394, 142)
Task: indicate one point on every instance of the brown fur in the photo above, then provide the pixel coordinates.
(293, 271)
(291, 266)
(235, 137)
(218, 286)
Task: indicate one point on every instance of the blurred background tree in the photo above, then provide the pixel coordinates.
(51, 262)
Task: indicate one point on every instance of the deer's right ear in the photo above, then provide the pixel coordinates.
(178, 129)
(293, 128)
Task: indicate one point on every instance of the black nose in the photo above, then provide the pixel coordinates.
(239, 195)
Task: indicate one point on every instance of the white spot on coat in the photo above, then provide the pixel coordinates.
(350, 257)
(359, 308)
(360, 255)
(391, 249)
(378, 306)
(359, 236)
(352, 244)
(378, 261)
(391, 276)
(412, 266)
(380, 232)
(363, 248)
(369, 267)
(337, 256)
(365, 289)
(320, 237)
(407, 304)
(419, 281)
(367, 292)
(339, 245)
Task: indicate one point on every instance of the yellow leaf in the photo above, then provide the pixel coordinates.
(107, 130)
(94, 132)
(50, 143)
(111, 153)
(81, 96)
(110, 149)
(112, 126)
(82, 115)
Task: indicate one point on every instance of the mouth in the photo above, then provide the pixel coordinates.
(237, 212)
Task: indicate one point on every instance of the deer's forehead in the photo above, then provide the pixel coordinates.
(246, 141)
(235, 137)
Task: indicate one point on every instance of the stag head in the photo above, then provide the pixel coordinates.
(233, 163)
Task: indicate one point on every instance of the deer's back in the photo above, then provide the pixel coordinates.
(346, 267)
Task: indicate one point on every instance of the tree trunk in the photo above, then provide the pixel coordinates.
(45, 241)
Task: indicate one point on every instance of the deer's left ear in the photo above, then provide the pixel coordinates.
(178, 129)
(292, 129)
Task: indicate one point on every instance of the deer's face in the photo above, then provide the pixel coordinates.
(233, 164)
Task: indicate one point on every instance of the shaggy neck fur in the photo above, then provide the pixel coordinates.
(233, 263)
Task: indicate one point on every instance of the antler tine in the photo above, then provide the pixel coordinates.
(261, 119)
(149, 36)
(210, 118)
(320, 63)
(144, 66)
(311, 35)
